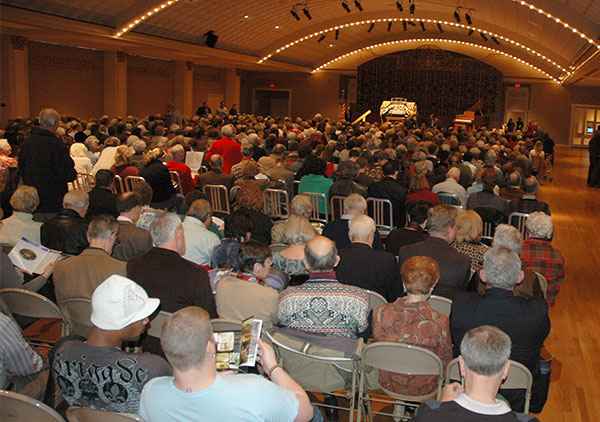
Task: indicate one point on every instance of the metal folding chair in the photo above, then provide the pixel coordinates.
(222, 324)
(84, 414)
(84, 182)
(131, 181)
(119, 185)
(518, 219)
(77, 310)
(450, 199)
(337, 207)
(154, 329)
(18, 407)
(440, 304)
(277, 203)
(218, 197)
(176, 179)
(381, 211)
(320, 212)
(375, 299)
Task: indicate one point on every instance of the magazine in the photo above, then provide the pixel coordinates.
(238, 348)
(193, 159)
(32, 257)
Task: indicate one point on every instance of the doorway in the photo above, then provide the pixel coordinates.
(271, 102)
(584, 121)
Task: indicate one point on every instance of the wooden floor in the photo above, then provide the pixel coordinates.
(574, 340)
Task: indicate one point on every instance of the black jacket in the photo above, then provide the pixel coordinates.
(45, 164)
(67, 232)
(102, 201)
(389, 188)
(337, 231)
(158, 177)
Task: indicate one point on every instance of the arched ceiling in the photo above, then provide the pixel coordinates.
(553, 40)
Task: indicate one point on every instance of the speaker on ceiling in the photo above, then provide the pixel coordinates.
(211, 39)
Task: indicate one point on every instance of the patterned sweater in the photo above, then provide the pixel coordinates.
(323, 305)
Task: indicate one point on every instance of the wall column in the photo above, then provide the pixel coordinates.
(184, 87)
(18, 70)
(115, 84)
(232, 87)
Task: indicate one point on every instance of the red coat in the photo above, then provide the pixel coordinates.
(185, 174)
(227, 148)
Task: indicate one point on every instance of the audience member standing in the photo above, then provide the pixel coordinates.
(227, 148)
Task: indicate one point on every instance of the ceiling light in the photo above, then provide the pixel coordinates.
(306, 12)
(246, 17)
(389, 26)
(276, 26)
(294, 14)
(346, 7)
(321, 39)
(422, 26)
(358, 6)
(439, 25)
(399, 6)
(371, 27)
(483, 36)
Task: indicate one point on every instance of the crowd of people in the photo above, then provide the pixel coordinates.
(158, 247)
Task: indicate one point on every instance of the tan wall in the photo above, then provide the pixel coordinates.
(207, 80)
(550, 106)
(65, 78)
(311, 93)
(4, 79)
(150, 85)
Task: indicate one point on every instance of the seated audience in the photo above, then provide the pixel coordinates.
(250, 198)
(300, 205)
(20, 224)
(513, 191)
(79, 155)
(227, 148)
(78, 276)
(337, 230)
(484, 353)
(247, 152)
(280, 173)
(525, 320)
(244, 294)
(411, 320)
(238, 228)
(389, 188)
(362, 266)
(322, 305)
(164, 195)
(442, 225)
(67, 232)
(297, 233)
(487, 197)
(313, 180)
(197, 390)
(133, 241)
(529, 202)
(199, 240)
(468, 238)
(413, 232)
(450, 185)
(540, 256)
(419, 188)
(149, 214)
(215, 176)
(123, 166)
(11, 277)
(106, 377)
(346, 185)
(178, 164)
(102, 198)
(251, 174)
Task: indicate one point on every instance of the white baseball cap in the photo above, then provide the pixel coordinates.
(118, 302)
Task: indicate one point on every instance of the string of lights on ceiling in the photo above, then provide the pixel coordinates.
(435, 40)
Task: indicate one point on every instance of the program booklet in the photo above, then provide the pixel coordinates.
(32, 257)
(238, 348)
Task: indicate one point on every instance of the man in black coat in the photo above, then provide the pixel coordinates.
(67, 231)
(455, 267)
(389, 188)
(362, 266)
(525, 320)
(102, 199)
(45, 164)
(594, 171)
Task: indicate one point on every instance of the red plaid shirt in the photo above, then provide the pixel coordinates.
(540, 256)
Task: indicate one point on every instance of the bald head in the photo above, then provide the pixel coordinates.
(453, 173)
(216, 162)
(320, 255)
(531, 185)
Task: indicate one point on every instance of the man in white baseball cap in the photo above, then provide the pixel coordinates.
(96, 373)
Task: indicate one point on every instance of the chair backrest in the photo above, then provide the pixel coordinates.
(375, 299)
(84, 182)
(33, 305)
(77, 310)
(543, 283)
(131, 181)
(278, 247)
(154, 329)
(119, 185)
(404, 359)
(381, 211)
(450, 199)
(517, 219)
(518, 377)
(440, 304)
(84, 414)
(295, 187)
(337, 206)
(491, 217)
(221, 324)
(176, 179)
(16, 407)
(218, 197)
(320, 210)
(277, 203)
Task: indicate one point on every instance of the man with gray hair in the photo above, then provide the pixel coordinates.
(227, 148)
(450, 185)
(525, 320)
(529, 202)
(215, 176)
(247, 152)
(67, 231)
(337, 230)
(199, 240)
(483, 360)
(362, 266)
(540, 256)
(178, 165)
(45, 164)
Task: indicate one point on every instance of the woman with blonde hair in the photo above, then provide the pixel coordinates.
(122, 166)
(468, 238)
(250, 197)
(297, 233)
(79, 154)
(538, 163)
(300, 205)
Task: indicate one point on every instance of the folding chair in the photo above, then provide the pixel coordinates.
(119, 185)
(337, 207)
(131, 181)
(295, 187)
(77, 310)
(84, 182)
(154, 329)
(176, 179)
(518, 219)
(222, 324)
(218, 197)
(440, 304)
(375, 299)
(519, 377)
(84, 414)
(491, 217)
(18, 407)
(381, 211)
(401, 358)
(278, 247)
(277, 203)
(318, 369)
(320, 212)
(450, 199)
(33, 305)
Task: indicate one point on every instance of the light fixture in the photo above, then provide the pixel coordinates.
(457, 15)
(389, 26)
(294, 14)
(358, 5)
(371, 27)
(337, 33)
(404, 25)
(483, 36)
(439, 25)
(468, 16)
(496, 40)
(346, 7)
(471, 32)
(412, 7)
(399, 6)
(306, 12)
(321, 38)
(422, 26)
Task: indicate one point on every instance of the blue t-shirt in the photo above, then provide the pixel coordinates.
(230, 398)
